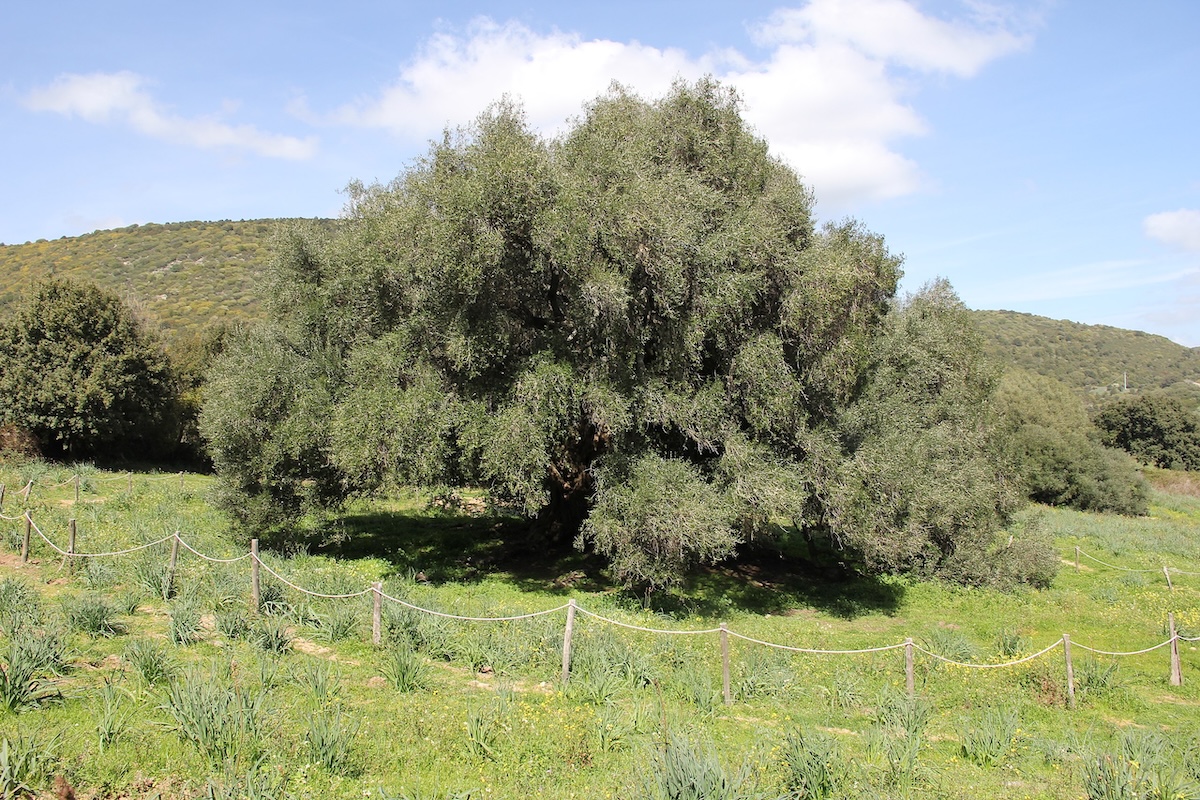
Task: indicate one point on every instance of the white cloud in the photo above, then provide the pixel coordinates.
(1177, 228)
(121, 97)
(829, 95)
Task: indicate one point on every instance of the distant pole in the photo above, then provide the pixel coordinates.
(1167, 572)
(1077, 558)
(71, 536)
(255, 584)
(377, 613)
(25, 539)
(910, 682)
(1066, 639)
(1, 496)
(76, 488)
(169, 583)
(567, 634)
(1176, 672)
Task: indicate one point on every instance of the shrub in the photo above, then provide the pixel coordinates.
(151, 660)
(224, 723)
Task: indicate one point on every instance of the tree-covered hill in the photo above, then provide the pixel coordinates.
(1087, 357)
(183, 276)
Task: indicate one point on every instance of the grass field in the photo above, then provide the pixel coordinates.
(126, 694)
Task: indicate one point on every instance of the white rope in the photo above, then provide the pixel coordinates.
(5, 516)
(64, 483)
(28, 488)
(407, 604)
(1114, 566)
(646, 630)
(813, 651)
(1031, 657)
(210, 558)
(306, 591)
(1188, 638)
(46, 539)
(1178, 571)
(1131, 653)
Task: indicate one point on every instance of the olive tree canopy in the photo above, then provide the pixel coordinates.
(634, 333)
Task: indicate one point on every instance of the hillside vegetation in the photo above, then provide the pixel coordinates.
(1087, 357)
(183, 276)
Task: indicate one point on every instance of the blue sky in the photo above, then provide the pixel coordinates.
(1043, 156)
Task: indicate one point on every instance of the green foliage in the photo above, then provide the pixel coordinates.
(330, 739)
(926, 490)
(686, 770)
(404, 669)
(25, 763)
(1058, 452)
(988, 739)
(1087, 358)
(91, 613)
(273, 636)
(1157, 429)
(815, 769)
(224, 723)
(633, 334)
(84, 376)
(151, 660)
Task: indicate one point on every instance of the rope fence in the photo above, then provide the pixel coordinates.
(909, 647)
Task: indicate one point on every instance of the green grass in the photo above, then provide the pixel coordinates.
(334, 716)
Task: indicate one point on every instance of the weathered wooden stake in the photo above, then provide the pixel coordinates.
(28, 488)
(1070, 670)
(1, 496)
(910, 682)
(377, 613)
(567, 634)
(725, 664)
(1077, 558)
(255, 585)
(1167, 572)
(76, 488)
(169, 583)
(25, 539)
(1176, 672)
(71, 543)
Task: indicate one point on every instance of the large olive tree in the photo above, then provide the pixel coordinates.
(633, 333)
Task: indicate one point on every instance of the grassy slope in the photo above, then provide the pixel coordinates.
(596, 739)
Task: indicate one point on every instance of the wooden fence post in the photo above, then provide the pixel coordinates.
(255, 584)
(1066, 639)
(725, 665)
(1077, 558)
(1176, 672)
(25, 539)
(1167, 572)
(910, 681)
(567, 634)
(1, 496)
(76, 488)
(377, 613)
(169, 583)
(71, 543)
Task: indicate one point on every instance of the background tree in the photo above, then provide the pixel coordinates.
(1157, 429)
(1057, 450)
(84, 377)
(631, 325)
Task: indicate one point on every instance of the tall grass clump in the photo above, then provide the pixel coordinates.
(987, 740)
(405, 669)
(20, 605)
(151, 661)
(92, 614)
(225, 723)
(185, 622)
(330, 738)
(272, 636)
(814, 768)
(26, 763)
(684, 770)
